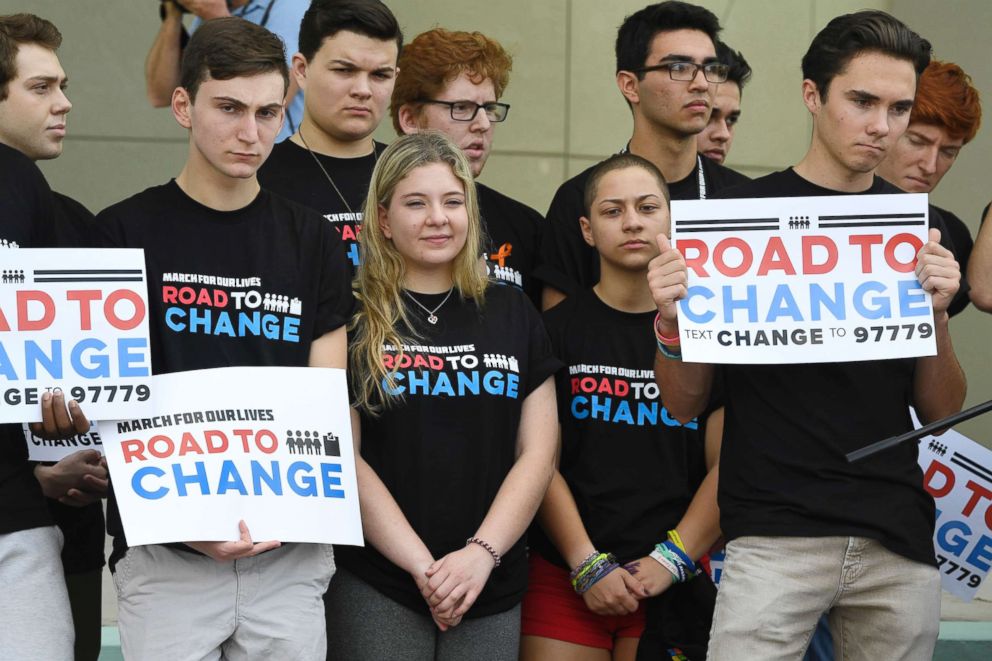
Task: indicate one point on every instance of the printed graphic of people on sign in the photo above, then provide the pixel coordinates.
(799, 222)
(307, 442)
(937, 447)
(13, 277)
(4, 243)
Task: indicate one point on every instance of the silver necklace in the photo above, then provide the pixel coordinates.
(431, 316)
(375, 158)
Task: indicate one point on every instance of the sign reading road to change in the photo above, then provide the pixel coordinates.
(803, 279)
(268, 445)
(76, 320)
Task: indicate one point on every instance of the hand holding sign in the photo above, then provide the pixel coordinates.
(59, 420)
(667, 278)
(938, 272)
(228, 551)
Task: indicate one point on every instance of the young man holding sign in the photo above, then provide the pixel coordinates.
(809, 533)
(216, 247)
(33, 107)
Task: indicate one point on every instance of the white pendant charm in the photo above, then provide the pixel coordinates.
(432, 319)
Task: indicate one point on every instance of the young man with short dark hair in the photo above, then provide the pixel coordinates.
(346, 67)
(33, 109)
(452, 82)
(716, 139)
(946, 115)
(807, 531)
(667, 71)
(213, 223)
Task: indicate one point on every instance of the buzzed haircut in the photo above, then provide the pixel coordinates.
(436, 57)
(620, 162)
(231, 47)
(17, 29)
(325, 18)
(639, 29)
(850, 35)
(946, 97)
(740, 70)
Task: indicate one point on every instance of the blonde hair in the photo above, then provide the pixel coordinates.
(378, 286)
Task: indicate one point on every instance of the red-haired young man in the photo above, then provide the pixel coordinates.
(946, 116)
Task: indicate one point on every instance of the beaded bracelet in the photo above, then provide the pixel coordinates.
(486, 545)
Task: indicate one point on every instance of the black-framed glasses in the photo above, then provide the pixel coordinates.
(465, 111)
(714, 72)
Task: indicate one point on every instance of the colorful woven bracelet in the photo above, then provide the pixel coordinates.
(579, 567)
(603, 566)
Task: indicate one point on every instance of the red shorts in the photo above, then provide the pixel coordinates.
(551, 609)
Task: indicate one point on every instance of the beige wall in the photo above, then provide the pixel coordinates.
(566, 111)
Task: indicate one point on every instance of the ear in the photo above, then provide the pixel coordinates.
(409, 118)
(811, 97)
(182, 107)
(298, 69)
(384, 222)
(587, 231)
(629, 86)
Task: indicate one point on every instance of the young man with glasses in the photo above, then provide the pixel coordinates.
(346, 67)
(667, 71)
(716, 139)
(452, 82)
(809, 533)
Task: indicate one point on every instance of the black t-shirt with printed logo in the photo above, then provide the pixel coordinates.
(955, 236)
(250, 287)
(514, 232)
(292, 172)
(444, 449)
(788, 428)
(568, 263)
(27, 220)
(631, 467)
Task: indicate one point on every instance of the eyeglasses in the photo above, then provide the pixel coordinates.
(714, 72)
(465, 111)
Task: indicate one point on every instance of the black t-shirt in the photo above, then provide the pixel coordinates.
(27, 220)
(250, 287)
(75, 225)
(568, 263)
(444, 449)
(787, 429)
(631, 467)
(514, 233)
(954, 236)
(293, 173)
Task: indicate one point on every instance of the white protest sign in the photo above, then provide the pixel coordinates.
(957, 472)
(268, 445)
(76, 320)
(803, 279)
(47, 449)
